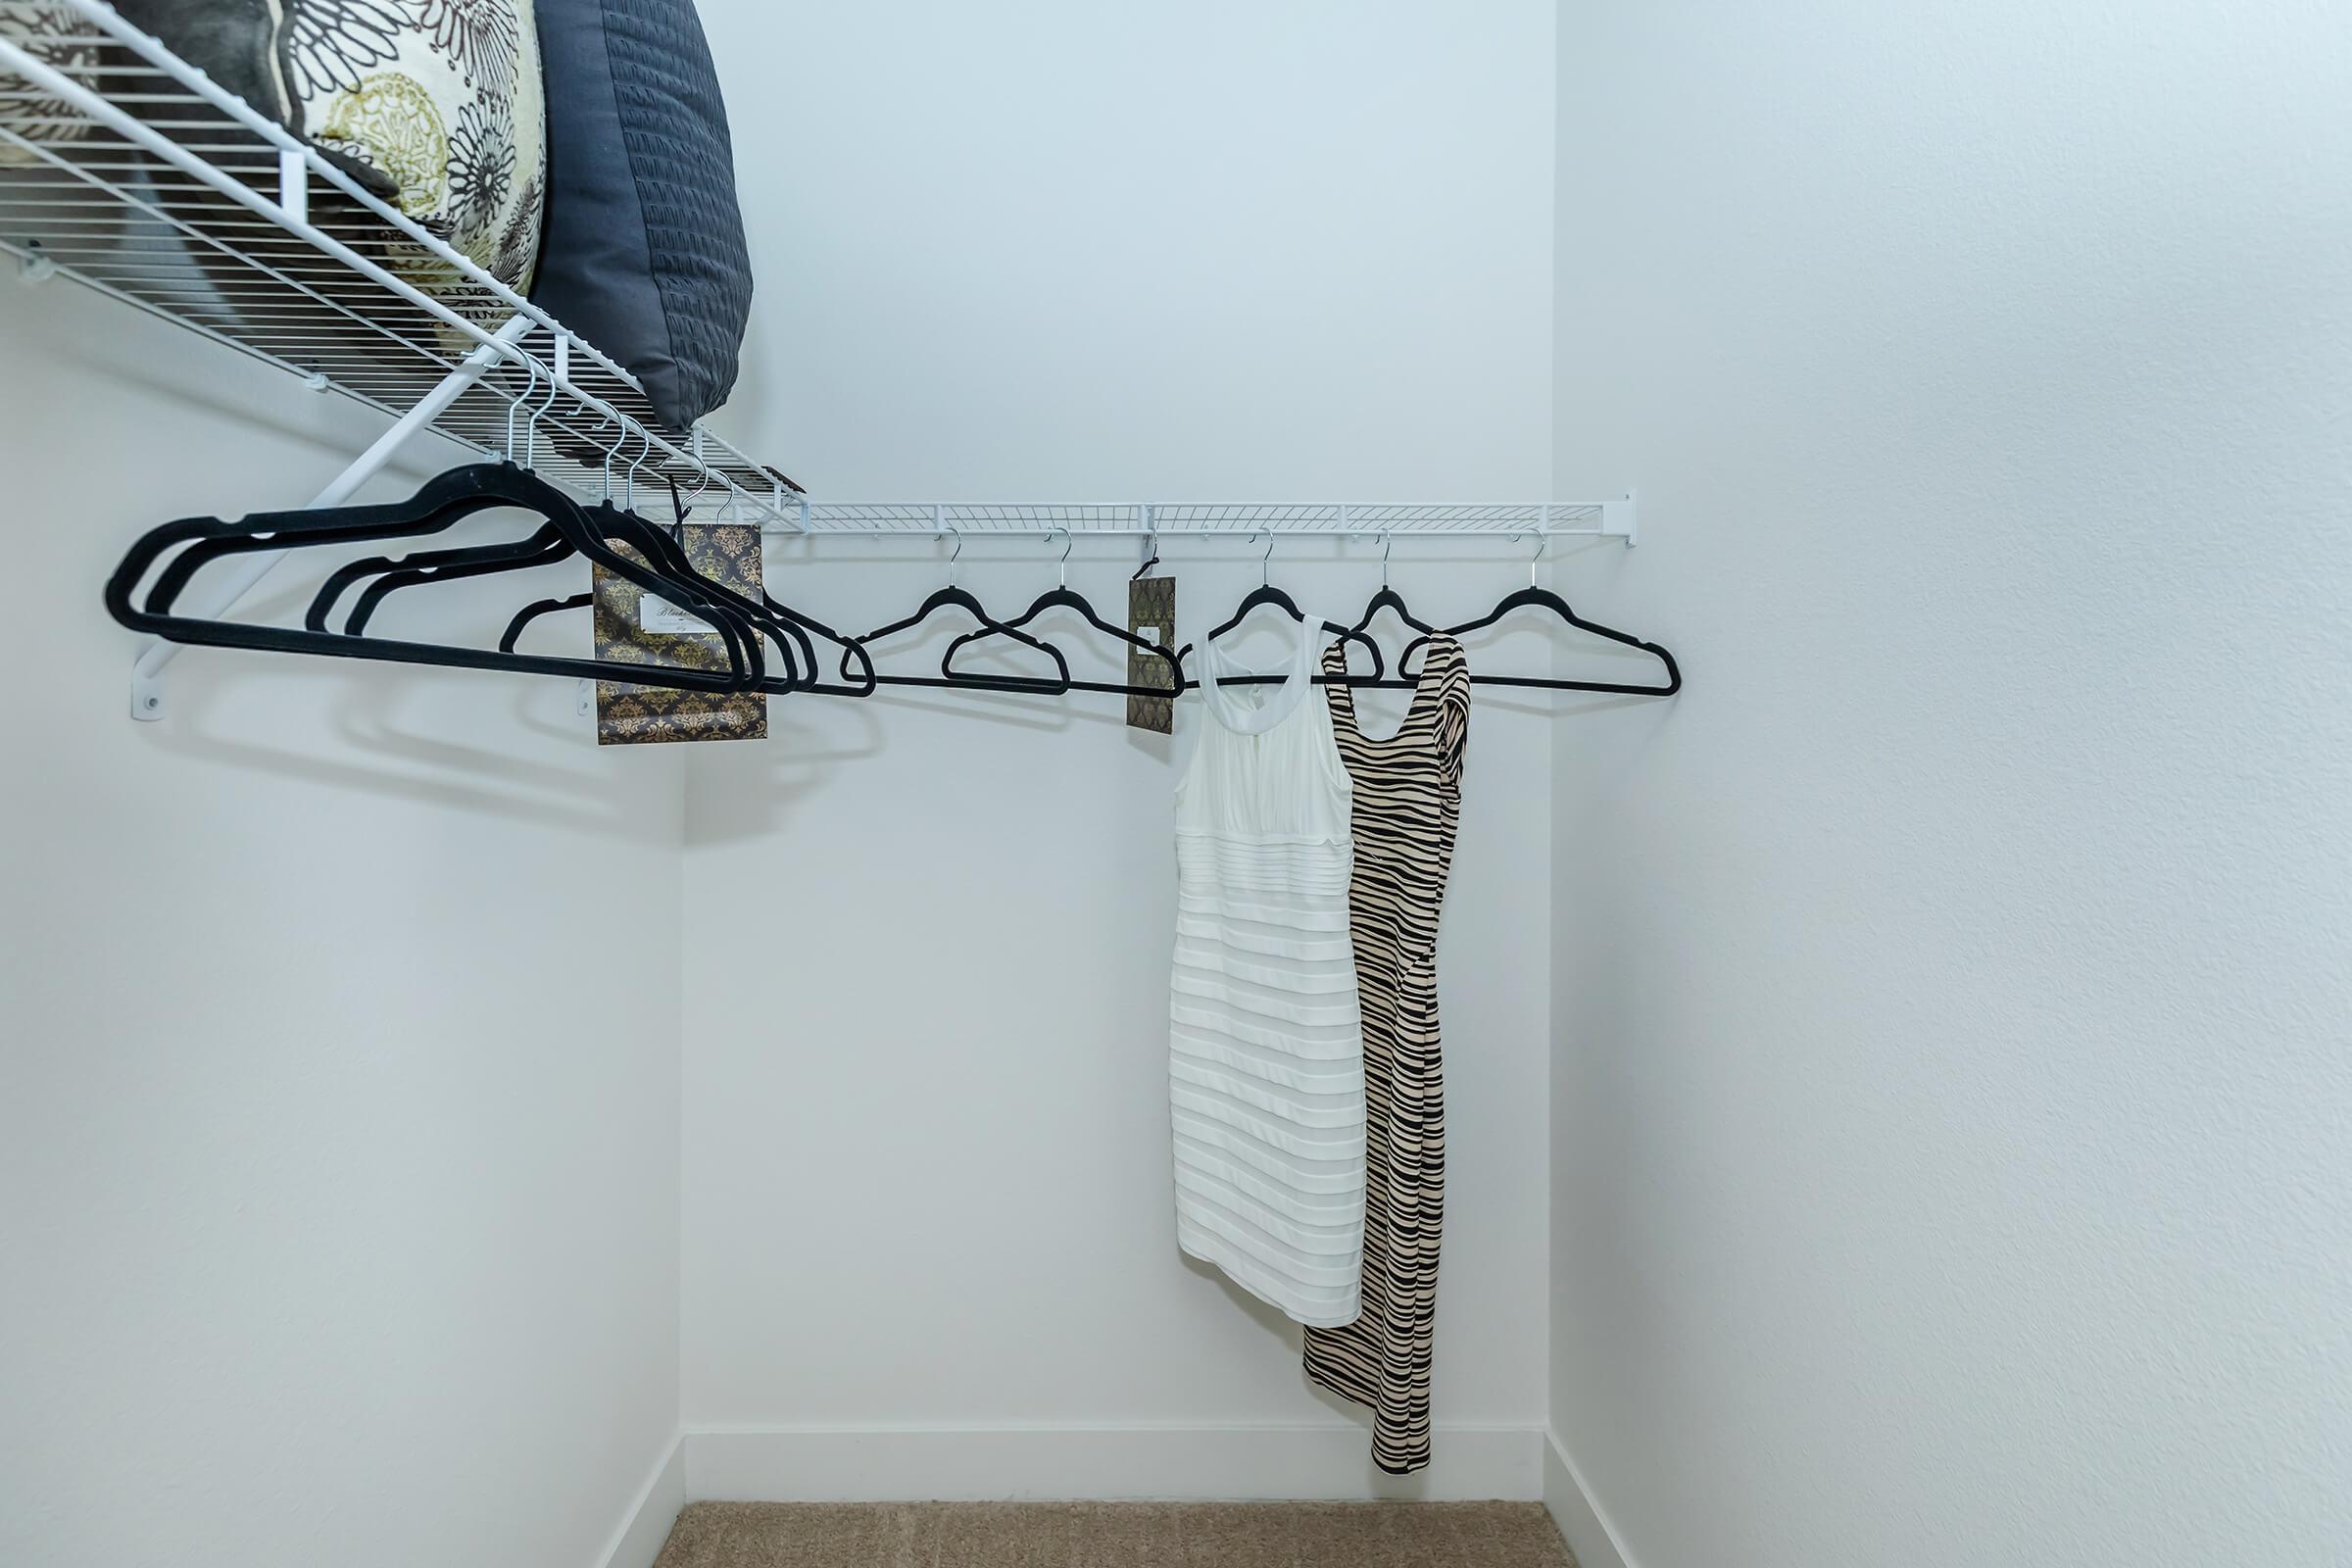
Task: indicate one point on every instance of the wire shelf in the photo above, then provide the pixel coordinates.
(1169, 519)
(129, 170)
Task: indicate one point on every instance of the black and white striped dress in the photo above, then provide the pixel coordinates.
(1407, 803)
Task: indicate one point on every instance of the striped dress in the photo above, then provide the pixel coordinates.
(1407, 803)
(1265, 1050)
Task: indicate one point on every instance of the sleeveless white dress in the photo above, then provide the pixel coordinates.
(1266, 1052)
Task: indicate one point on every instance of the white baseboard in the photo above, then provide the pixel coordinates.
(894, 1464)
(1590, 1536)
(650, 1517)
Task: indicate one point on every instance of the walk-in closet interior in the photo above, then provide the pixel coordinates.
(1159, 785)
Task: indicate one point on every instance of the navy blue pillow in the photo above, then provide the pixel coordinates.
(643, 252)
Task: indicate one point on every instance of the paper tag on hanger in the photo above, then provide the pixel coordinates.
(1152, 616)
(665, 620)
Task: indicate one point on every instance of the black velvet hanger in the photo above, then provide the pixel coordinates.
(1265, 593)
(1535, 597)
(439, 505)
(1062, 596)
(951, 597)
(792, 623)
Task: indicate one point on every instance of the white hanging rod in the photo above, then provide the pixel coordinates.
(1605, 520)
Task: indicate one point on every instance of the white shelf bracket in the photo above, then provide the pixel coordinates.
(293, 185)
(1617, 519)
(146, 687)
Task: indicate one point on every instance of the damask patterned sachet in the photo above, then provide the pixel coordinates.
(629, 627)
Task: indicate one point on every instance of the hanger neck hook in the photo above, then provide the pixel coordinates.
(704, 467)
(954, 554)
(623, 434)
(1536, 560)
(531, 363)
(531, 430)
(639, 463)
(1387, 542)
(1067, 540)
(1265, 562)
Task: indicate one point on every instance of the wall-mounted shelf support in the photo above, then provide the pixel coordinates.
(145, 181)
(1168, 519)
(146, 689)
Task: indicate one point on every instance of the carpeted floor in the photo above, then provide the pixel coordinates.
(1114, 1535)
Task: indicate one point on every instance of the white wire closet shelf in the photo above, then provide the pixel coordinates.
(129, 170)
(1166, 519)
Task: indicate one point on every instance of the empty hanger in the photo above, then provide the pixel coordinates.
(1535, 597)
(1061, 596)
(953, 597)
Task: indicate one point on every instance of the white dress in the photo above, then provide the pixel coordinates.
(1266, 1053)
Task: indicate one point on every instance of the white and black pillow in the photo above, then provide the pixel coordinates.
(57, 37)
(434, 105)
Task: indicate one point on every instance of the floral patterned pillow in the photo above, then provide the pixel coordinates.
(434, 104)
(53, 35)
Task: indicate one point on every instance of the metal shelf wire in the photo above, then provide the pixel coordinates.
(129, 170)
(1331, 519)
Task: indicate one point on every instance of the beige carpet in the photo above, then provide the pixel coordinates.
(1114, 1535)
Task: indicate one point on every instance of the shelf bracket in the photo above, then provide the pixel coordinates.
(146, 671)
(1617, 519)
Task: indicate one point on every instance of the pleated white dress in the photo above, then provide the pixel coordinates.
(1266, 1053)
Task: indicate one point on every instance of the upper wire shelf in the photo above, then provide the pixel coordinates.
(133, 172)
(130, 171)
(1337, 519)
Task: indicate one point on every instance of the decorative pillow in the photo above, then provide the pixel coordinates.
(58, 39)
(643, 254)
(435, 106)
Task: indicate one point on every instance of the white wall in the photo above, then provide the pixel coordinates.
(1951, 1091)
(1066, 251)
(339, 1156)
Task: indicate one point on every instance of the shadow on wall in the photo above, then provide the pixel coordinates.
(383, 755)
